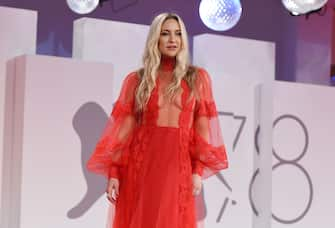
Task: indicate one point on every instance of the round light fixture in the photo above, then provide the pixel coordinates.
(220, 15)
(298, 7)
(82, 6)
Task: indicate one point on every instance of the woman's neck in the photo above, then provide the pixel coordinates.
(167, 63)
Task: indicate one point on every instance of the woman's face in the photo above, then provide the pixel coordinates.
(169, 43)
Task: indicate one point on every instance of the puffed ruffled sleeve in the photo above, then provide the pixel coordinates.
(208, 153)
(111, 151)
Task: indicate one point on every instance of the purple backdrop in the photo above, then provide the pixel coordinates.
(261, 20)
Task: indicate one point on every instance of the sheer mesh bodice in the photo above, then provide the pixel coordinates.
(189, 122)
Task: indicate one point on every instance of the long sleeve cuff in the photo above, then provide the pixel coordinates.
(197, 168)
(114, 172)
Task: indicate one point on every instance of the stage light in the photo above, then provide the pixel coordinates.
(82, 6)
(293, 7)
(301, 7)
(220, 15)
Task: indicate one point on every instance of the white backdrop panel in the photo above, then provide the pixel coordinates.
(62, 105)
(228, 58)
(17, 37)
(303, 158)
(226, 197)
(110, 41)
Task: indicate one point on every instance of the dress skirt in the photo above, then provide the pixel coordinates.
(153, 198)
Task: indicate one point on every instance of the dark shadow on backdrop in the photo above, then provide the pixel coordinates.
(89, 122)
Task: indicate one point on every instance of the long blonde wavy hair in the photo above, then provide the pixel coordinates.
(152, 58)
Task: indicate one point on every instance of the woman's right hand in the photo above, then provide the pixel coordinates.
(112, 189)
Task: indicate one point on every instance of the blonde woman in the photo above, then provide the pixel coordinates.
(163, 136)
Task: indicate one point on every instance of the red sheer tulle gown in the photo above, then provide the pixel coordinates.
(155, 153)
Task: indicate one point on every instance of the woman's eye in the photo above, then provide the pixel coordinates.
(178, 33)
(164, 33)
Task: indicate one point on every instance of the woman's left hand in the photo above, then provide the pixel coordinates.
(197, 183)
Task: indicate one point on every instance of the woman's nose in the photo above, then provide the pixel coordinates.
(172, 38)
